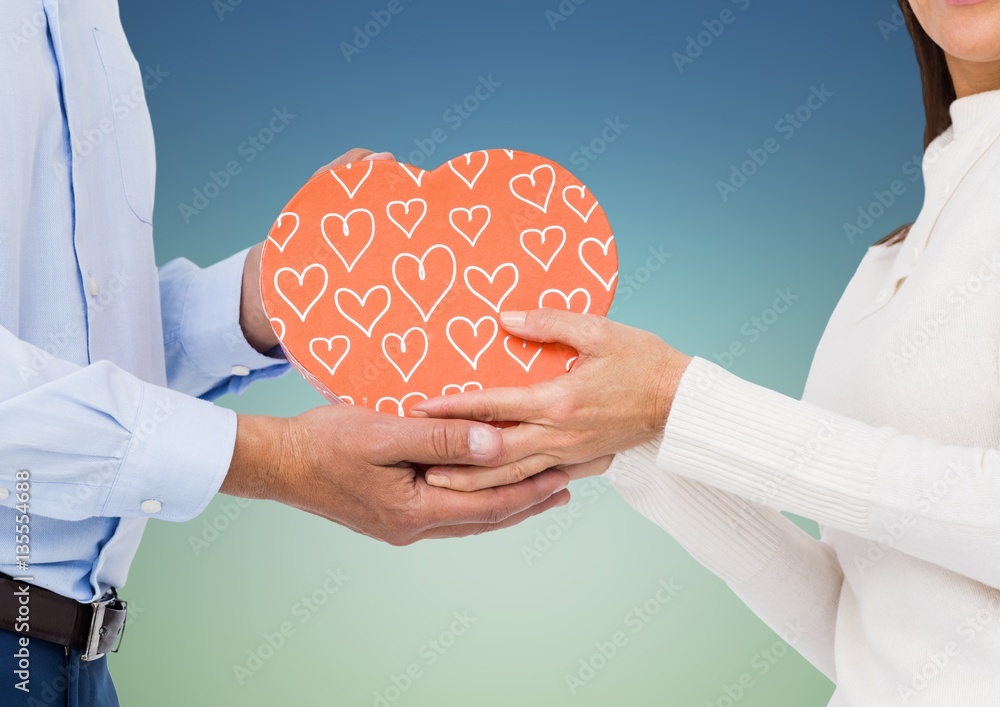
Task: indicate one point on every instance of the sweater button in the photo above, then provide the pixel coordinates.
(882, 297)
(914, 255)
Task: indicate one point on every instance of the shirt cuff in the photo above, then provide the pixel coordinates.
(210, 325)
(771, 449)
(178, 455)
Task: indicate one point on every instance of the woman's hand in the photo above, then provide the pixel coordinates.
(617, 396)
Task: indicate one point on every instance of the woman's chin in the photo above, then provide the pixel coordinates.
(973, 43)
(966, 30)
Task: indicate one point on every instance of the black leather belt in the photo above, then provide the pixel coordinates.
(95, 628)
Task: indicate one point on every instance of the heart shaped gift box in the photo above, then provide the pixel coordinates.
(384, 282)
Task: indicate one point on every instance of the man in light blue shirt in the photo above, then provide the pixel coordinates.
(107, 366)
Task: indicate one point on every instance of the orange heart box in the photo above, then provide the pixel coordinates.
(384, 282)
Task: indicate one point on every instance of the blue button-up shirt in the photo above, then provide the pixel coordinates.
(103, 358)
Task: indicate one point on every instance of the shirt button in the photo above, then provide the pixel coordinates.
(151, 506)
(94, 289)
(4, 493)
(241, 371)
(882, 297)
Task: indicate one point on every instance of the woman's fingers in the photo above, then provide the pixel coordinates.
(527, 440)
(440, 506)
(476, 478)
(495, 405)
(594, 467)
(580, 331)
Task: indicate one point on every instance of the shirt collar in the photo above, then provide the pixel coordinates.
(978, 112)
(975, 128)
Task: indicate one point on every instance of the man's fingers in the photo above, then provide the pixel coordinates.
(356, 154)
(460, 531)
(489, 506)
(595, 467)
(494, 405)
(579, 331)
(475, 478)
(437, 442)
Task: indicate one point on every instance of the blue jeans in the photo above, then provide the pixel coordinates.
(55, 677)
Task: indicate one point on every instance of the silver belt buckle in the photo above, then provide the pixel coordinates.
(97, 632)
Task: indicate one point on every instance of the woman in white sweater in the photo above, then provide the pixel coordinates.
(893, 449)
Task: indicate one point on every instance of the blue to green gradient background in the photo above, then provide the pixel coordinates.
(198, 613)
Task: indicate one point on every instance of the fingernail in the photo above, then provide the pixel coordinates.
(480, 441)
(378, 156)
(513, 319)
(563, 501)
(438, 480)
(418, 413)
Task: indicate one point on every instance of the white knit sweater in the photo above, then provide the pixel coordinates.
(893, 450)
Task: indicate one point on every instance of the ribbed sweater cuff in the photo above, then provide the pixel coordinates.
(771, 449)
(731, 537)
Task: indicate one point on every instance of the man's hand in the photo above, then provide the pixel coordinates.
(356, 467)
(256, 327)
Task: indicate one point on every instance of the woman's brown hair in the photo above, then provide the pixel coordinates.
(939, 92)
